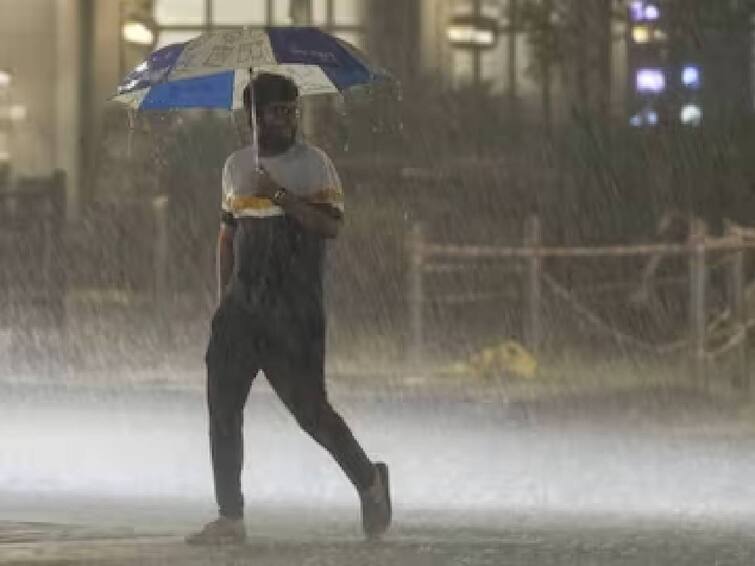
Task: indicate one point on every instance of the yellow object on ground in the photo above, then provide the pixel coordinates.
(506, 358)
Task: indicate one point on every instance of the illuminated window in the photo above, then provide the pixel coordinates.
(691, 115)
(652, 13)
(637, 10)
(640, 34)
(466, 33)
(179, 12)
(646, 117)
(644, 11)
(180, 20)
(235, 13)
(691, 76)
(650, 81)
(332, 14)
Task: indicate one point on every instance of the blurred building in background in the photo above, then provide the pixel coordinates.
(636, 60)
(58, 62)
(509, 108)
(688, 61)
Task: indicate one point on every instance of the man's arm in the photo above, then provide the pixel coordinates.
(224, 257)
(323, 219)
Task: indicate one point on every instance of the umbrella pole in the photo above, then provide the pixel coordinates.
(256, 156)
(131, 128)
(253, 121)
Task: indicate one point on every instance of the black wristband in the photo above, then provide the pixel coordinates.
(227, 218)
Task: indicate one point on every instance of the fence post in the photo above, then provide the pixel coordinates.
(57, 275)
(161, 291)
(533, 292)
(697, 270)
(416, 299)
(737, 305)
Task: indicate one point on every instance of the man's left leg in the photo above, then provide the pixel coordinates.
(298, 379)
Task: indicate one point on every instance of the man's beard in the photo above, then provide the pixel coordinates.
(276, 142)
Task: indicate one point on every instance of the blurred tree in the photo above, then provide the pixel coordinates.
(573, 39)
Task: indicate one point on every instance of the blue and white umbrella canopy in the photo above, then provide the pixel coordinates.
(211, 70)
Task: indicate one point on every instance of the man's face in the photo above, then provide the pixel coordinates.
(278, 124)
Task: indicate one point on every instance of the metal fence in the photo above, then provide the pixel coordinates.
(702, 252)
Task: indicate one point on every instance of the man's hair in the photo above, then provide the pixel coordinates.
(267, 88)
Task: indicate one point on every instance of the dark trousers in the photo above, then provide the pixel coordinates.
(290, 351)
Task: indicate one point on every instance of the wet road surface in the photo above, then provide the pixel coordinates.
(119, 476)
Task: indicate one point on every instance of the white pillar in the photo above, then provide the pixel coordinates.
(68, 92)
(435, 51)
(619, 70)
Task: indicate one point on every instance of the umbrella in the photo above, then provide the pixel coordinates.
(212, 70)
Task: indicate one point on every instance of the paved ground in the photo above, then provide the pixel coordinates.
(437, 541)
(118, 476)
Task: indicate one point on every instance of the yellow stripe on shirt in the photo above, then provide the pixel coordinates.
(257, 206)
(326, 196)
(330, 196)
(255, 202)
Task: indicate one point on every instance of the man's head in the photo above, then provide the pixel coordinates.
(276, 102)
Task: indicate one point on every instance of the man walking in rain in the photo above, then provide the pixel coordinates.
(281, 202)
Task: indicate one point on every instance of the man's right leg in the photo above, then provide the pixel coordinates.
(231, 367)
(226, 397)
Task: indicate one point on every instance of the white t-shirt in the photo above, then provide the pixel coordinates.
(303, 169)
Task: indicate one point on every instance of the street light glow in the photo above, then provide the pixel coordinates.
(5, 79)
(138, 33)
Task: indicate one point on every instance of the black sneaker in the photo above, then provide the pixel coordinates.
(376, 504)
(219, 532)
